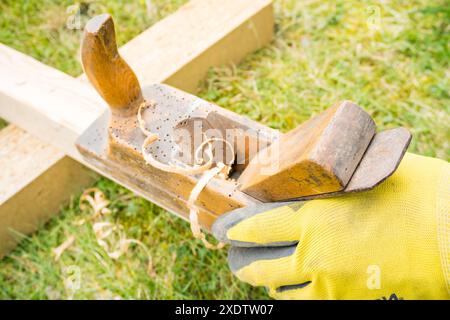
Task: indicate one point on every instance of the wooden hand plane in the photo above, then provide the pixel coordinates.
(336, 152)
(333, 153)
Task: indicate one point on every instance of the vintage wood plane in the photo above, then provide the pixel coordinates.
(335, 152)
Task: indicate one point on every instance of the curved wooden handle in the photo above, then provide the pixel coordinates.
(111, 76)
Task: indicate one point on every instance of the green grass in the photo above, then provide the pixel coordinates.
(396, 67)
(39, 27)
(3, 124)
(325, 52)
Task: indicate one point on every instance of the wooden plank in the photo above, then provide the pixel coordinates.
(48, 103)
(57, 109)
(35, 180)
(202, 34)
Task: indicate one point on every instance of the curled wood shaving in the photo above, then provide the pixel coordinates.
(151, 137)
(193, 210)
(58, 251)
(103, 233)
(221, 169)
(209, 173)
(107, 233)
(227, 168)
(171, 168)
(96, 200)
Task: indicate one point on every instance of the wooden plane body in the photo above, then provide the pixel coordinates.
(335, 152)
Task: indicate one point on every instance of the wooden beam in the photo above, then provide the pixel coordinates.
(203, 34)
(46, 102)
(35, 180)
(51, 105)
(177, 50)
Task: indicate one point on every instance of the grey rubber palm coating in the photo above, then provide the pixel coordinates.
(232, 218)
(241, 257)
(242, 254)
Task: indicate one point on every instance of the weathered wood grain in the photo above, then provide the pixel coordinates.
(317, 157)
(381, 159)
(115, 147)
(106, 70)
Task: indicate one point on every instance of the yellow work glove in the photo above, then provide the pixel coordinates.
(392, 242)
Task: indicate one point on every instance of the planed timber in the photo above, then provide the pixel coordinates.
(30, 192)
(202, 34)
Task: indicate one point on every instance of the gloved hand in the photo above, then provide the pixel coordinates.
(387, 243)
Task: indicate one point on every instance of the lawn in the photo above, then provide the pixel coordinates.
(390, 57)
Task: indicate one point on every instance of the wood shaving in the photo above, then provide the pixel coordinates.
(109, 236)
(58, 251)
(193, 209)
(209, 173)
(114, 249)
(152, 137)
(96, 200)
